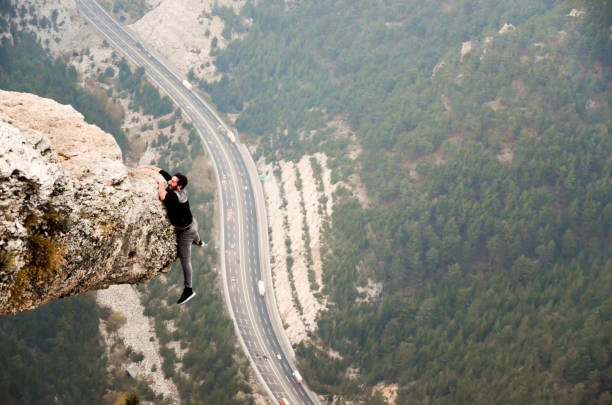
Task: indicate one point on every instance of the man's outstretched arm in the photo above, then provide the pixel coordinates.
(161, 183)
(161, 187)
(157, 169)
(163, 173)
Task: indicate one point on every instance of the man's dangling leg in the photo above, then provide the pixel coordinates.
(185, 240)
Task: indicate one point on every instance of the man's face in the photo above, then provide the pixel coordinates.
(173, 184)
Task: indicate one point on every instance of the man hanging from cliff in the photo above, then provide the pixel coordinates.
(171, 190)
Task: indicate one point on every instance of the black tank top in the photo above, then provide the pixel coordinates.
(177, 205)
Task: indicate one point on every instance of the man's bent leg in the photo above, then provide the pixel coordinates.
(197, 241)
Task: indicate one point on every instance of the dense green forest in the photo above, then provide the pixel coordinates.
(489, 174)
(145, 97)
(52, 354)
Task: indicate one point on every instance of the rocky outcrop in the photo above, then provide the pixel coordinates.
(73, 218)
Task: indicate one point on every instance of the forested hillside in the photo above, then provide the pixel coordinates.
(52, 354)
(484, 130)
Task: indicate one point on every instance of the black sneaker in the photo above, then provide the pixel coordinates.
(199, 242)
(187, 294)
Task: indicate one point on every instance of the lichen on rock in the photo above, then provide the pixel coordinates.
(73, 218)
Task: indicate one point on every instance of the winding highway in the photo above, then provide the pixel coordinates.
(244, 231)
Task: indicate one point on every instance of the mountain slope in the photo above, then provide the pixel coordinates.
(484, 130)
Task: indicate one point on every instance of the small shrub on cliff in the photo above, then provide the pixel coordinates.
(55, 221)
(45, 258)
(6, 261)
(45, 254)
(132, 399)
(136, 357)
(115, 321)
(105, 312)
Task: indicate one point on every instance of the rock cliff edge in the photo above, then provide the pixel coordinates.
(73, 218)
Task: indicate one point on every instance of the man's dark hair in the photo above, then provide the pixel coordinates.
(182, 180)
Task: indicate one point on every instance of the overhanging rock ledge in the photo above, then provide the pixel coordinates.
(73, 218)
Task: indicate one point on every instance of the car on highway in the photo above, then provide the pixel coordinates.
(297, 376)
(261, 288)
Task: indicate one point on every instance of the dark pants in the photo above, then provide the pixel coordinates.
(184, 240)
